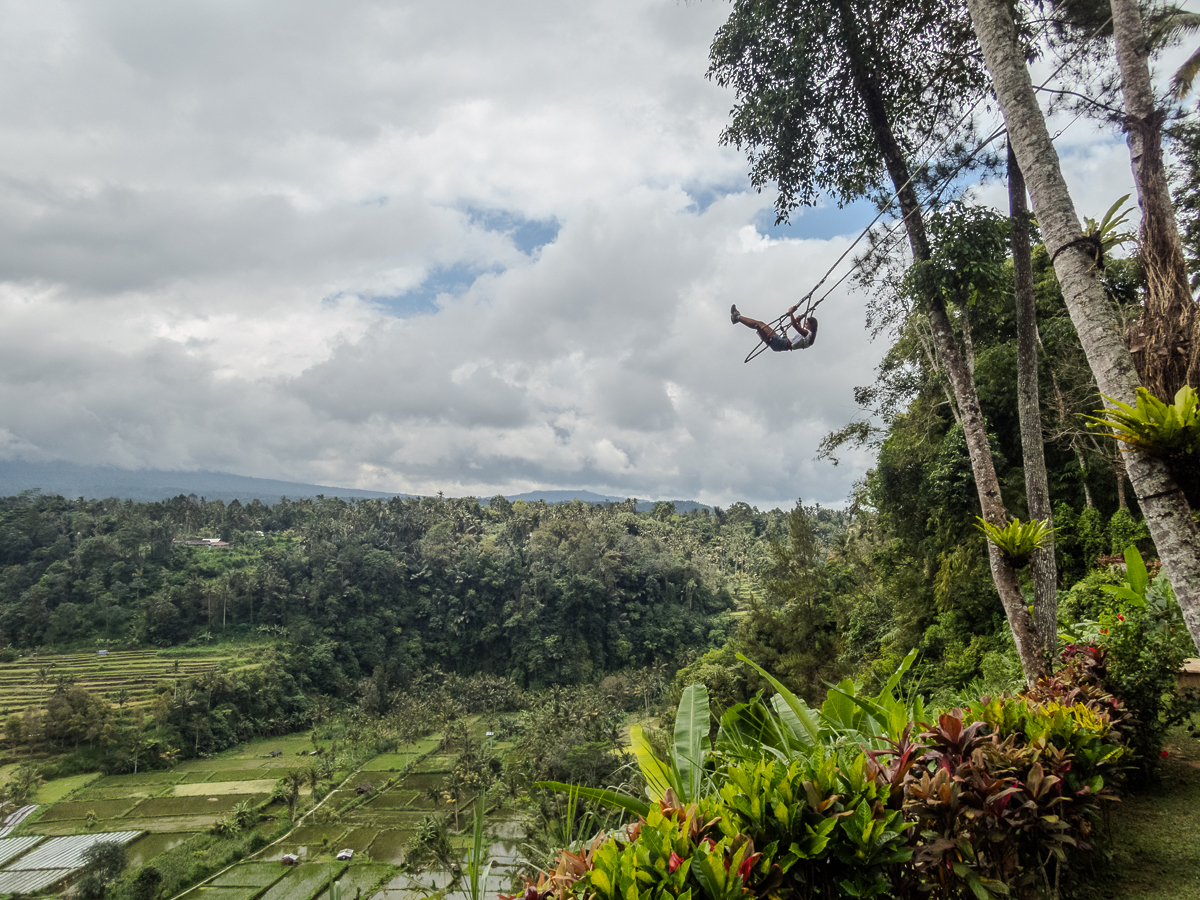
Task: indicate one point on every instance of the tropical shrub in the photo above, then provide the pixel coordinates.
(1146, 641)
(992, 815)
(793, 802)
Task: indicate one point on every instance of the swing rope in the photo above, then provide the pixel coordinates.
(933, 197)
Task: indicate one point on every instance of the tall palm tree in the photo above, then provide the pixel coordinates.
(314, 777)
(292, 782)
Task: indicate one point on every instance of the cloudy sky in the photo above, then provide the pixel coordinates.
(412, 246)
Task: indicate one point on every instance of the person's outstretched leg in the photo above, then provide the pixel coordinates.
(765, 331)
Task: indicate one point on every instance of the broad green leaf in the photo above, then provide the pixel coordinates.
(691, 740)
(1135, 571)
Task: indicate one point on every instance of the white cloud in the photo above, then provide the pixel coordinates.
(298, 240)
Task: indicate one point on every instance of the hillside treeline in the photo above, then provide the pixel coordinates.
(542, 594)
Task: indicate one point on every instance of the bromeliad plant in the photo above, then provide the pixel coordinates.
(1017, 540)
(1162, 429)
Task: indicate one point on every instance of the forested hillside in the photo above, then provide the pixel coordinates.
(544, 594)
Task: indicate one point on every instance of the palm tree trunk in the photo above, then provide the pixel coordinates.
(1166, 509)
(1037, 483)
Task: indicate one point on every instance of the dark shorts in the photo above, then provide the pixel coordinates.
(779, 342)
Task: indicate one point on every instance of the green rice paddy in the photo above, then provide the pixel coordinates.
(361, 878)
(136, 792)
(172, 805)
(79, 809)
(222, 893)
(304, 882)
(58, 788)
(243, 774)
(206, 805)
(253, 874)
(149, 846)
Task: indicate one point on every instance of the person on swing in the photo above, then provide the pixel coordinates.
(805, 334)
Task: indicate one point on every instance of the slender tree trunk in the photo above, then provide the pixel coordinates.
(1119, 471)
(968, 341)
(1037, 483)
(1164, 505)
(1033, 663)
(1163, 342)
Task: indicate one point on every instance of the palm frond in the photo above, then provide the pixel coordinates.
(1181, 83)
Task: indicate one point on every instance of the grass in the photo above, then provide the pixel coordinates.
(1156, 834)
(53, 791)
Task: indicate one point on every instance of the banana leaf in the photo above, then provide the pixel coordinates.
(691, 740)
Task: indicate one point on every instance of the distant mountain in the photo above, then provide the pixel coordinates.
(148, 485)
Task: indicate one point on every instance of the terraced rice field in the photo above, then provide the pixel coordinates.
(188, 798)
(30, 680)
(158, 810)
(304, 882)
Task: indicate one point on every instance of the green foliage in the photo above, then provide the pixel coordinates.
(682, 773)
(792, 628)
(477, 869)
(352, 602)
(1017, 539)
(798, 71)
(1124, 531)
(692, 743)
(966, 266)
